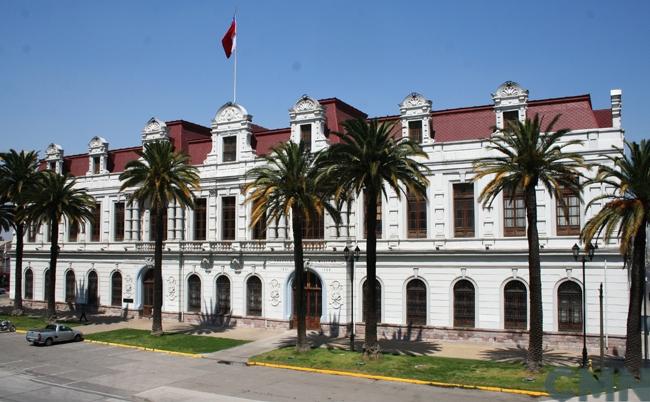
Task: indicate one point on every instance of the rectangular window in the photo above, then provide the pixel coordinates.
(378, 217)
(510, 117)
(230, 149)
(415, 131)
(514, 214)
(464, 210)
(228, 218)
(51, 166)
(568, 216)
(96, 165)
(31, 233)
(315, 228)
(305, 135)
(118, 218)
(259, 230)
(152, 225)
(96, 223)
(73, 231)
(416, 210)
(200, 218)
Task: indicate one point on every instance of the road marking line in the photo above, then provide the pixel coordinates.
(83, 390)
(397, 379)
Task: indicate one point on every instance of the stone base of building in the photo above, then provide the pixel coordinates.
(500, 339)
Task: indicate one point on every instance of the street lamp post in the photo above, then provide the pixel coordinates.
(350, 258)
(588, 254)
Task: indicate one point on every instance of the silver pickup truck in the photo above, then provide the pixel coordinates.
(53, 333)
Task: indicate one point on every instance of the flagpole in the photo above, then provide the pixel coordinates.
(234, 84)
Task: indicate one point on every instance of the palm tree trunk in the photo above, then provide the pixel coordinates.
(535, 336)
(18, 274)
(371, 347)
(156, 327)
(633, 358)
(299, 280)
(54, 255)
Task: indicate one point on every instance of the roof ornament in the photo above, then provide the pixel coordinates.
(510, 89)
(154, 130)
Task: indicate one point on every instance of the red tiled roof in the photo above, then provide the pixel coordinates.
(603, 117)
(463, 124)
(459, 124)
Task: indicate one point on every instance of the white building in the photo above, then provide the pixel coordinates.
(447, 268)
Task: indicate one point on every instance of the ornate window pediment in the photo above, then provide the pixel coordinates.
(97, 156)
(154, 130)
(231, 135)
(415, 115)
(509, 98)
(97, 145)
(54, 158)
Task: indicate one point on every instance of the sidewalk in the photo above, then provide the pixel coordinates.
(264, 340)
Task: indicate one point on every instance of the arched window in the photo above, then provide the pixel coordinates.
(254, 297)
(70, 287)
(194, 293)
(569, 307)
(116, 289)
(92, 300)
(416, 303)
(46, 281)
(515, 310)
(29, 284)
(464, 304)
(377, 300)
(223, 295)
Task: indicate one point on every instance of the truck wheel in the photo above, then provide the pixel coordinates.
(48, 342)
(77, 338)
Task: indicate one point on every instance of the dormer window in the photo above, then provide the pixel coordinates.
(51, 166)
(305, 135)
(415, 131)
(96, 164)
(230, 149)
(510, 118)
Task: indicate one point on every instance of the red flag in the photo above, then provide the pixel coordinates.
(229, 40)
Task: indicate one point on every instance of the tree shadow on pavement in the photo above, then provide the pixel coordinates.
(552, 357)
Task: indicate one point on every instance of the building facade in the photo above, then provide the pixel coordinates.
(447, 267)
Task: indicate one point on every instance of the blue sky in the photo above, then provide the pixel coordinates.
(70, 70)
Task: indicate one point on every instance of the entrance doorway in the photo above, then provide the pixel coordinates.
(147, 294)
(314, 296)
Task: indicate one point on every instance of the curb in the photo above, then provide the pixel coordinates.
(21, 331)
(145, 349)
(397, 379)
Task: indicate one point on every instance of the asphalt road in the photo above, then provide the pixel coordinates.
(89, 372)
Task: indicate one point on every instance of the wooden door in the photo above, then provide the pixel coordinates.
(147, 286)
(314, 296)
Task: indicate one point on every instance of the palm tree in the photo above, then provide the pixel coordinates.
(528, 157)
(54, 198)
(370, 159)
(18, 174)
(159, 177)
(290, 184)
(626, 214)
(6, 215)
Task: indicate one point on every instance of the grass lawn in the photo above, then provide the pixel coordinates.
(427, 368)
(26, 322)
(173, 342)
